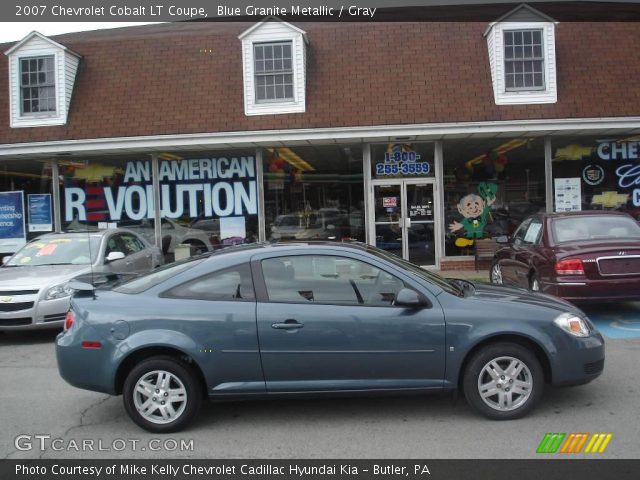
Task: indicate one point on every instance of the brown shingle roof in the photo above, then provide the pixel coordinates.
(163, 79)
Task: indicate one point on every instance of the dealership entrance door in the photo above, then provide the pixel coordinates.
(405, 219)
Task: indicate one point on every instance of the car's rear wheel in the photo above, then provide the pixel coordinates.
(496, 274)
(162, 394)
(503, 381)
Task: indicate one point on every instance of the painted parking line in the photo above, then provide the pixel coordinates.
(623, 322)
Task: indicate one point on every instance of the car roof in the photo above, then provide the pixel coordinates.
(584, 213)
(246, 250)
(80, 233)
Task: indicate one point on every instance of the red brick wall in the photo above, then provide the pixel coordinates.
(187, 78)
(464, 264)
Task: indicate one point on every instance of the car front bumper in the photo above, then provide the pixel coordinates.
(42, 314)
(579, 361)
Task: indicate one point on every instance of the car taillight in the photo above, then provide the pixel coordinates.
(570, 266)
(68, 321)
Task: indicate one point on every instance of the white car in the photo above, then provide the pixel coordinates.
(34, 290)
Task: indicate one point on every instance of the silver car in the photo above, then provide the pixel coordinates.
(34, 290)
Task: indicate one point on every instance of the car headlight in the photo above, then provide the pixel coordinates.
(59, 291)
(572, 324)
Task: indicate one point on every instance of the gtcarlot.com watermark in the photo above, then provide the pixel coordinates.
(44, 442)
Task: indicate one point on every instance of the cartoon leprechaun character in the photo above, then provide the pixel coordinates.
(475, 209)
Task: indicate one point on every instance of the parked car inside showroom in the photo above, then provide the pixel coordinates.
(579, 256)
(312, 319)
(34, 282)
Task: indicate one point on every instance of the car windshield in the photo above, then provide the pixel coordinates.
(594, 227)
(146, 281)
(430, 277)
(287, 221)
(77, 249)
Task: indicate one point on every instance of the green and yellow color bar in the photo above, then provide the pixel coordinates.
(574, 443)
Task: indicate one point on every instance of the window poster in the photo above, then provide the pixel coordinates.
(12, 230)
(39, 207)
(568, 194)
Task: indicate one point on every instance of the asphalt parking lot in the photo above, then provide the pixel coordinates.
(36, 401)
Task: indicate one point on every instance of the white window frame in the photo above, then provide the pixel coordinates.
(284, 33)
(292, 73)
(536, 95)
(20, 119)
(21, 87)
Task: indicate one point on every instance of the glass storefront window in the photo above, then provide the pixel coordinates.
(26, 204)
(208, 200)
(490, 186)
(314, 193)
(596, 173)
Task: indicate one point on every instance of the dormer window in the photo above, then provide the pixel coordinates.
(38, 84)
(523, 60)
(273, 71)
(41, 78)
(274, 62)
(522, 57)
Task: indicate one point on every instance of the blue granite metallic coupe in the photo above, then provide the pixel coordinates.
(318, 318)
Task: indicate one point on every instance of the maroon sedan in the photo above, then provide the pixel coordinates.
(579, 256)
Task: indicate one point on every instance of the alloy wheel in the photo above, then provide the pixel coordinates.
(496, 274)
(160, 397)
(505, 383)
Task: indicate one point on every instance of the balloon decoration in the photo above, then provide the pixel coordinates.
(484, 167)
(280, 168)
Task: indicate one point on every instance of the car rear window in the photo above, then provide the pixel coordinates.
(156, 277)
(594, 227)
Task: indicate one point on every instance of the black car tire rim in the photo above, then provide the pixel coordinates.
(160, 397)
(505, 384)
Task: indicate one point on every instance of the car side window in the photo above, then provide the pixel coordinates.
(534, 232)
(327, 279)
(131, 244)
(230, 284)
(518, 237)
(114, 245)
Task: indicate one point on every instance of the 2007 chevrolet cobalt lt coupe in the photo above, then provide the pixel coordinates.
(318, 318)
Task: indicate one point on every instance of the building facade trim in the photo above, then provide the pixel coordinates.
(414, 132)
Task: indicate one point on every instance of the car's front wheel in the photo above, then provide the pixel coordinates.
(503, 381)
(162, 394)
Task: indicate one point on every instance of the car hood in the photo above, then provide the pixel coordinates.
(510, 295)
(38, 277)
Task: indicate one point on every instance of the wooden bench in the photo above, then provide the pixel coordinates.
(485, 250)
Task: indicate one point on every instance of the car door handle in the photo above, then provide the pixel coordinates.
(287, 325)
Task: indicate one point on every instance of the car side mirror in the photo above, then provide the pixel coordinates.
(503, 239)
(408, 298)
(113, 256)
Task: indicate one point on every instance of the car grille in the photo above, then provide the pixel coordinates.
(594, 367)
(14, 307)
(11, 293)
(55, 317)
(619, 266)
(10, 322)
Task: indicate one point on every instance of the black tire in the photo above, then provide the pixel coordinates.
(475, 368)
(533, 281)
(181, 371)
